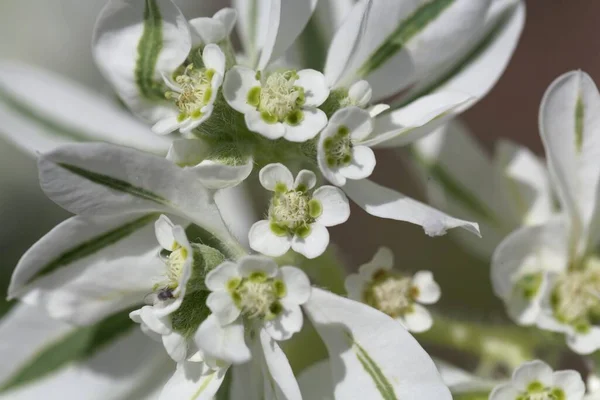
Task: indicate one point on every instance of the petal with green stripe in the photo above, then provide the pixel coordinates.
(134, 42)
(371, 355)
(193, 381)
(109, 359)
(40, 111)
(88, 268)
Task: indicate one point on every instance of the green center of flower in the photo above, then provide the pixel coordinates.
(338, 148)
(576, 298)
(292, 211)
(391, 293)
(529, 285)
(537, 391)
(279, 99)
(196, 91)
(258, 296)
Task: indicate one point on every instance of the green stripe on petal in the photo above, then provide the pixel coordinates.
(381, 382)
(149, 48)
(79, 345)
(456, 190)
(94, 245)
(205, 382)
(579, 115)
(409, 28)
(116, 184)
(53, 127)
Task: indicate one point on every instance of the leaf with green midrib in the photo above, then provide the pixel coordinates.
(77, 346)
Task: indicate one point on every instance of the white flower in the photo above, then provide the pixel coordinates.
(395, 294)
(340, 153)
(278, 103)
(549, 274)
(252, 292)
(298, 216)
(166, 70)
(535, 380)
(170, 291)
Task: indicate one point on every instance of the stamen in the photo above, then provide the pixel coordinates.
(390, 293)
(338, 148)
(196, 91)
(258, 296)
(279, 99)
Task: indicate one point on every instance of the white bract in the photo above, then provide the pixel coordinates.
(535, 380)
(397, 295)
(254, 293)
(549, 274)
(279, 103)
(298, 215)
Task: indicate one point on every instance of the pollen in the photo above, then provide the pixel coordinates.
(293, 210)
(175, 263)
(259, 297)
(195, 91)
(279, 98)
(338, 148)
(390, 293)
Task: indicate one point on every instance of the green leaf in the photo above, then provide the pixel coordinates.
(77, 346)
(149, 48)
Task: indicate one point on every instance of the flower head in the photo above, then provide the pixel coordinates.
(397, 295)
(298, 215)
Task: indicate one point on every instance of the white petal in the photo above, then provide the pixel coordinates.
(149, 318)
(419, 320)
(306, 179)
(362, 164)
(193, 381)
(287, 324)
(215, 175)
(386, 203)
(167, 124)
(213, 58)
(351, 331)
(505, 392)
(163, 228)
(530, 372)
(247, 265)
(217, 279)
(263, 240)
(570, 130)
(585, 343)
(188, 152)
(313, 122)
(333, 175)
(207, 30)
(222, 306)
(176, 346)
(429, 290)
(377, 109)
(282, 381)
(222, 342)
(228, 17)
(274, 174)
(297, 285)
(314, 244)
(238, 82)
(256, 123)
(525, 310)
(383, 259)
(357, 120)
(286, 20)
(316, 90)
(133, 69)
(355, 285)
(336, 208)
(529, 250)
(315, 382)
(90, 284)
(40, 111)
(417, 119)
(570, 382)
(102, 179)
(360, 93)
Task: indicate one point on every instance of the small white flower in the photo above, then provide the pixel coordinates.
(279, 103)
(252, 292)
(535, 380)
(155, 319)
(193, 93)
(394, 294)
(298, 216)
(339, 153)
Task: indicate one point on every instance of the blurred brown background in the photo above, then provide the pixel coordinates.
(559, 36)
